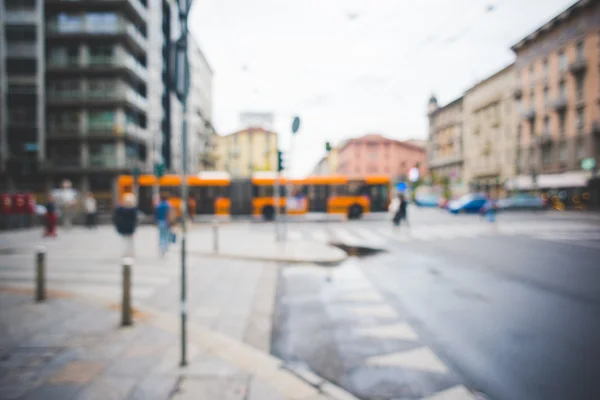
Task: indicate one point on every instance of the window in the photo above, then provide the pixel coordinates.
(101, 88)
(562, 92)
(580, 51)
(63, 120)
(579, 88)
(101, 54)
(531, 77)
(63, 55)
(562, 61)
(66, 154)
(101, 119)
(562, 123)
(102, 22)
(546, 95)
(546, 69)
(580, 120)
(532, 99)
(103, 155)
(562, 152)
(20, 33)
(547, 126)
(18, 115)
(22, 88)
(21, 67)
(65, 88)
(580, 150)
(69, 23)
(546, 155)
(18, 5)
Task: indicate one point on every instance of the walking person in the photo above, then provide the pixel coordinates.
(162, 214)
(489, 209)
(90, 210)
(401, 212)
(125, 219)
(51, 217)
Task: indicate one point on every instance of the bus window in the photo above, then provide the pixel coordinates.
(379, 195)
(145, 199)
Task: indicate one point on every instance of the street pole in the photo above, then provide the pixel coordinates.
(277, 200)
(288, 187)
(182, 83)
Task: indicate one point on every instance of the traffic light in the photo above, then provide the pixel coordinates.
(327, 147)
(279, 161)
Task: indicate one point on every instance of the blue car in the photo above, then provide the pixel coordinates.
(468, 204)
(521, 202)
(428, 200)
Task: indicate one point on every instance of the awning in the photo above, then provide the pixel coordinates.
(549, 181)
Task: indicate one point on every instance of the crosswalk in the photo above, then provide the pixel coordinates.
(381, 235)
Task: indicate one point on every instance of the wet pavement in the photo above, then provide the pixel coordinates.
(513, 316)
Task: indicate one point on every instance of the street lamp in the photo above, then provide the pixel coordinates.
(181, 80)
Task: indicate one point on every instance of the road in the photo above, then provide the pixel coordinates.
(509, 310)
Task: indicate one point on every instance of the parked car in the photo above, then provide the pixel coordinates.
(443, 203)
(468, 204)
(521, 202)
(427, 200)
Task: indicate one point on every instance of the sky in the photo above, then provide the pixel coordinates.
(352, 67)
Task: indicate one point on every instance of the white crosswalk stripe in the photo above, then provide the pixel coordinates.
(370, 236)
(320, 236)
(346, 237)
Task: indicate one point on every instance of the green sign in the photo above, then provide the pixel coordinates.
(588, 164)
(159, 169)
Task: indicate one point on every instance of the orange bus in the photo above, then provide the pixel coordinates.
(210, 190)
(217, 194)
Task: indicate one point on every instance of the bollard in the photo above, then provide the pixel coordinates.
(215, 236)
(40, 275)
(126, 301)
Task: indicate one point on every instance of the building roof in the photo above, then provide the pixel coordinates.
(574, 9)
(378, 136)
(489, 78)
(250, 130)
(445, 107)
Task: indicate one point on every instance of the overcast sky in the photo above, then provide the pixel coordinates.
(350, 67)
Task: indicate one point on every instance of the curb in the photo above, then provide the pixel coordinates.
(330, 263)
(291, 382)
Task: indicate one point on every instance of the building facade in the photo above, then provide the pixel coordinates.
(328, 164)
(200, 129)
(445, 149)
(375, 154)
(557, 92)
(489, 133)
(246, 151)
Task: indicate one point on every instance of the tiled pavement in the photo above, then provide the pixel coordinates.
(71, 349)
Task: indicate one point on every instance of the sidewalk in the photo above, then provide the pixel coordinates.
(69, 349)
(236, 241)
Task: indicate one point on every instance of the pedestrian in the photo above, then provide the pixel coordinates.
(401, 210)
(191, 207)
(125, 220)
(90, 210)
(51, 217)
(162, 215)
(489, 209)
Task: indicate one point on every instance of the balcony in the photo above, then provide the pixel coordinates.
(21, 16)
(559, 104)
(121, 93)
(528, 113)
(518, 92)
(578, 66)
(134, 7)
(545, 139)
(64, 131)
(21, 49)
(596, 128)
(100, 64)
(123, 28)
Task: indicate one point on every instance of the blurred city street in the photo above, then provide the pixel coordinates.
(448, 306)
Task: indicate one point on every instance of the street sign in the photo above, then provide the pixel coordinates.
(413, 174)
(401, 186)
(136, 172)
(588, 164)
(296, 124)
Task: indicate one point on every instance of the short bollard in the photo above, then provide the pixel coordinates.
(40, 274)
(126, 302)
(215, 236)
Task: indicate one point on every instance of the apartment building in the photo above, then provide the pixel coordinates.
(201, 132)
(374, 154)
(489, 132)
(22, 112)
(328, 164)
(246, 151)
(445, 149)
(557, 92)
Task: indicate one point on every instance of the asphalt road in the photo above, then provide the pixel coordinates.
(513, 314)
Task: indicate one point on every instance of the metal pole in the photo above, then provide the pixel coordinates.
(215, 236)
(40, 258)
(276, 189)
(184, 196)
(288, 185)
(126, 301)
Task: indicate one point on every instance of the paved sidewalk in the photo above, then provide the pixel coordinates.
(69, 348)
(236, 241)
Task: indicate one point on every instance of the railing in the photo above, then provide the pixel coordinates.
(121, 27)
(116, 93)
(21, 49)
(63, 61)
(21, 16)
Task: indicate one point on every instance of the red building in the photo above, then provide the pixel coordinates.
(374, 154)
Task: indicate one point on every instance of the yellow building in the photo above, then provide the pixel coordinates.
(243, 152)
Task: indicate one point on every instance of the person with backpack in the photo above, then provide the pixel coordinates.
(125, 220)
(162, 214)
